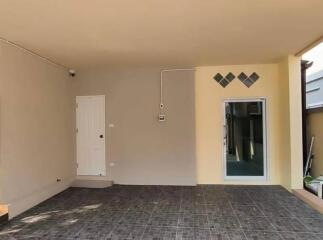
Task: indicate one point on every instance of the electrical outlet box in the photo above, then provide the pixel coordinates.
(161, 118)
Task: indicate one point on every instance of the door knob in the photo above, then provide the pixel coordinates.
(101, 136)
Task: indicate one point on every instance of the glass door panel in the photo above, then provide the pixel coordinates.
(244, 140)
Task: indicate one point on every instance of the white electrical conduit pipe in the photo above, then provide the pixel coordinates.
(32, 53)
(161, 105)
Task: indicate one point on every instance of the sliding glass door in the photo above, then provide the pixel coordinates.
(244, 139)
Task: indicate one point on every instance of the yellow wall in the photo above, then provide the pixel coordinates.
(295, 123)
(315, 123)
(285, 160)
(209, 119)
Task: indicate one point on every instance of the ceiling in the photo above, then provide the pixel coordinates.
(105, 33)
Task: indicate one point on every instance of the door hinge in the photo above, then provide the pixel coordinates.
(77, 105)
(77, 130)
(77, 165)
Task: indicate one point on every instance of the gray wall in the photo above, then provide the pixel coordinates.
(36, 129)
(143, 150)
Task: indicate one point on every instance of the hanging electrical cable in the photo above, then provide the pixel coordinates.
(33, 53)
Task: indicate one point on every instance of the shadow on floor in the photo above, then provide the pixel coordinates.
(169, 212)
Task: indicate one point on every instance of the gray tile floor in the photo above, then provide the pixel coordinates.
(169, 212)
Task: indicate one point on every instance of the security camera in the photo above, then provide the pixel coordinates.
(71, 72)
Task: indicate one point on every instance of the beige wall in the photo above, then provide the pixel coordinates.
(36, 131)
(315, 127)
(290, 91)
(209, 119)
(284, 116)
(143, 150)
(295, 123)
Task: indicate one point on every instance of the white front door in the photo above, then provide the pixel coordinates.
(90, 138)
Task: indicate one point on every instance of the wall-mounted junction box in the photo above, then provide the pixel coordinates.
(161, 118)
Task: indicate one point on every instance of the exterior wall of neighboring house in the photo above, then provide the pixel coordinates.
(314, 90)
(314, 98)
(315, 128)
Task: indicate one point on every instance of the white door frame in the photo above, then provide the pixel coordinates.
(265, 140)
(102, 171)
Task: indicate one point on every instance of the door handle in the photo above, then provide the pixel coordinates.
(225, 134)
(101, 136)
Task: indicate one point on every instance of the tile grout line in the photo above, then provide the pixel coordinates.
(264, 215)
(207, 215)
(119, 220)
(236, 215)
(149, 219)
(179, 215)
(293, 215)
(127, 201)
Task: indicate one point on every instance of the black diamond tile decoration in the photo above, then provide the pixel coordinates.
(229, 77)
(248, 81)
(254, 77)
(218, 77)
(242, 76)
(224, 83)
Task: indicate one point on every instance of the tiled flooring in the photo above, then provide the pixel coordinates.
(169, 212)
